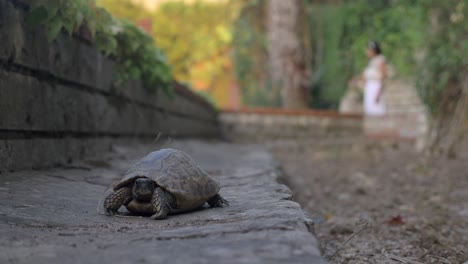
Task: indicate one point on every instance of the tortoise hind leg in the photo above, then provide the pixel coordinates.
(217, 201)
(162, 202)
(115, 200)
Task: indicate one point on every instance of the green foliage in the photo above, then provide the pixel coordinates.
(415, 45)
(446, 51)
(329, 76)
(134, 51)
(250, 56)
(71, 16)
(411, 43)
(340, 35)
(138, 58)
(195, 36)
(125, 9)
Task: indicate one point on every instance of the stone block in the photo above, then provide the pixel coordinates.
(66, 58)
(38, 153)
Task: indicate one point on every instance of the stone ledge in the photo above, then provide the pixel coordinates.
(50, 216)
(287, 112)
(265, 125)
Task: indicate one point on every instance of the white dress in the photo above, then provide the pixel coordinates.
(373, 84)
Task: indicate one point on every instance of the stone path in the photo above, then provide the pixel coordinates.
(50, 216)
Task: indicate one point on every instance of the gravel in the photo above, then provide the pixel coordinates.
(382, 204)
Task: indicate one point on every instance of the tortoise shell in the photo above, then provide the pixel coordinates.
(176, 172)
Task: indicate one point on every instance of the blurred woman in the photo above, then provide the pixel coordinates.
(374, 77)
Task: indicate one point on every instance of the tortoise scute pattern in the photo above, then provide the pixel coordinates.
(186, 181)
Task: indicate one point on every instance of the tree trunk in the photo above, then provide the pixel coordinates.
(448, 135)
(288, 65)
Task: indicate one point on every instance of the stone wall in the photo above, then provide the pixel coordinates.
(58, 101)
(289, 127)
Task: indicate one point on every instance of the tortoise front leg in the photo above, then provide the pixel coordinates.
(115, 200)
(161, 203)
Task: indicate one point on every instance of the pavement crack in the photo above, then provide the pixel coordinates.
(60, 177)
(86, 180)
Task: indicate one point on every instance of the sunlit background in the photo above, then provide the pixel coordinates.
(196, 37)
(220, 48)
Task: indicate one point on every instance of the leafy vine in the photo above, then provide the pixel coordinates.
(136, 56)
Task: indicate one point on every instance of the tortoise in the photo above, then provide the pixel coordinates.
(164, 182)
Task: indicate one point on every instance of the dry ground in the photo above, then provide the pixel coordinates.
(389, 204)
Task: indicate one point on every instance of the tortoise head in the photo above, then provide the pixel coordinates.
(143, 189)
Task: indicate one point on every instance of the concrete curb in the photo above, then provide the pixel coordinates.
(50, 216)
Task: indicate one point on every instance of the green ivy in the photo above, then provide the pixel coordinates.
(446, 50)
(136, 56)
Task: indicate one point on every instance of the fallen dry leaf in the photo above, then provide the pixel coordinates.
(395, 221)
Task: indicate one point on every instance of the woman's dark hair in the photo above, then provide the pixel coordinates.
(374, 46)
